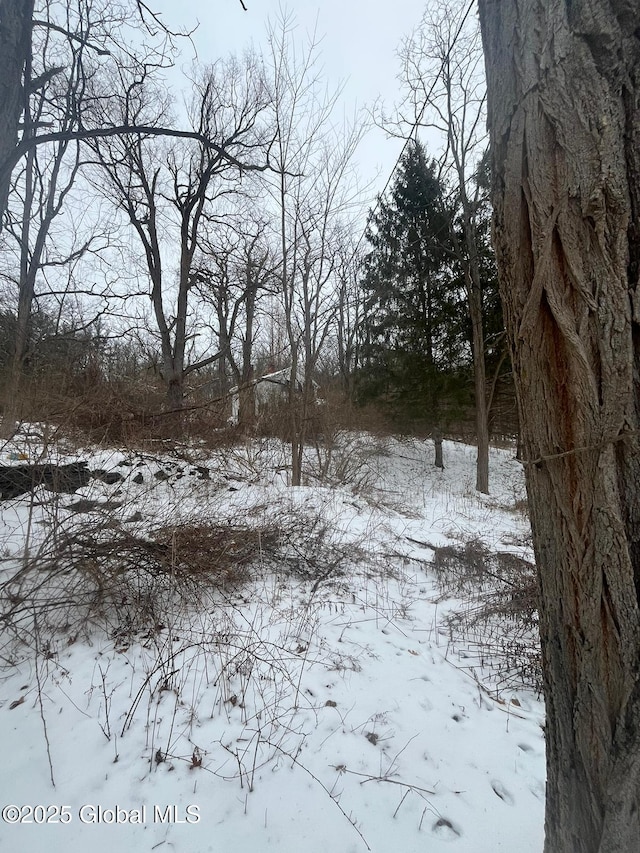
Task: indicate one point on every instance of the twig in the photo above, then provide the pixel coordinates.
(404, 797)
(367, 778)
(323, 786)
(42, 716)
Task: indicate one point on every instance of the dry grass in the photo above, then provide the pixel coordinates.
(128, 411)
(200, 553)
(497, 627)
(99, 574)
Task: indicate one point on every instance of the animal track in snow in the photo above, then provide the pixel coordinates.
(500, 791)
(446, 830)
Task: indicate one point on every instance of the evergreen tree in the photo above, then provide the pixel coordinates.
(414, 343)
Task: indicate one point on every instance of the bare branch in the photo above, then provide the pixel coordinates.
(72, 36)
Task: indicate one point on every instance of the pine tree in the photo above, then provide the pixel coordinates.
(414, 343)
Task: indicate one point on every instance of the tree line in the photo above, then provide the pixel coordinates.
(237, 214)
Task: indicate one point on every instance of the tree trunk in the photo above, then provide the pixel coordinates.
(174, 380)
(12, 408)
(564, 115)
(15, 49)
(247, 399)
(296, 423)
(437, 443)
(248, 394)
(474, 288)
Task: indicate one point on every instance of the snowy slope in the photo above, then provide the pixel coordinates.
(320, 709)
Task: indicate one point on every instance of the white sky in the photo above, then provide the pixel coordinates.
(359, 44)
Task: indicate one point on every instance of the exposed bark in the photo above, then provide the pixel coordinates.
(42, 201)
(480, 394)
(247, 405)
(15, 38)
(564, 114)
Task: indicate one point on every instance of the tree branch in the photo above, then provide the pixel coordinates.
(198, 365)
(123, 130)
(73, 36)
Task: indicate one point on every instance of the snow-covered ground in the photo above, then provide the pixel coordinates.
(320, 706)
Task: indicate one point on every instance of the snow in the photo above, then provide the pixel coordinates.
(323, 706)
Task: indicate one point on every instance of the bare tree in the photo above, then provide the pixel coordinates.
(53, 65)
(236, 271)
(311, 159)
(169, 192)
(349, 312)
(71, 29)
(564, 114)
(52, 97)
(442, 67)
(121, 34)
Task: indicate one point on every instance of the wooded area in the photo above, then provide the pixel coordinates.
(157, 259)
(240, 219)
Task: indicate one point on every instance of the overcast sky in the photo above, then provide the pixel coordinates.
(359, 44)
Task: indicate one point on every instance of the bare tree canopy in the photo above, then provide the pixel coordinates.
(564, 115)
(98, 29)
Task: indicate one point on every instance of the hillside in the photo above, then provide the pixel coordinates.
(329, 667)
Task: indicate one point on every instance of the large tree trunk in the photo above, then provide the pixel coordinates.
(15, 49)
(12, 403)
(564, 114)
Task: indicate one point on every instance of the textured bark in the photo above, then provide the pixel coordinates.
(15, 48)
(564, 113)
(15, 72)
